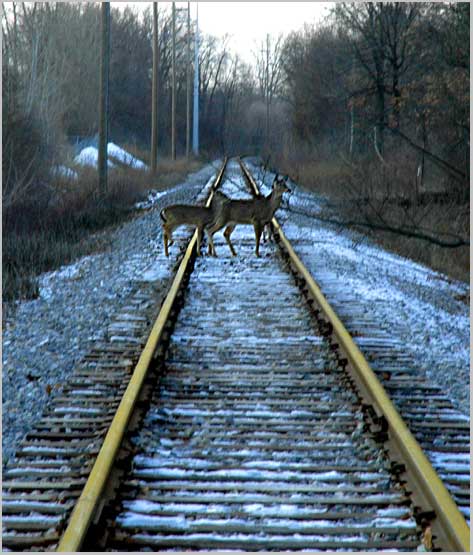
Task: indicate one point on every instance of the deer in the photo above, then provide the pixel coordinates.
(258, 211)
(201, 217)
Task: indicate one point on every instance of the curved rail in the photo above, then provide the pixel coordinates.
(88, 502)
(449, 518)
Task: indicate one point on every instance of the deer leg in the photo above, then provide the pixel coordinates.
(228, 231)
(258, 230)
(212, 251)
(266, 234)
(199, 240)
(169, 230)
(210, 233)
(166, 241)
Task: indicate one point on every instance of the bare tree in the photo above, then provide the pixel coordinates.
(379, 35)
(269, 74)
(154, 101)
(104, 97)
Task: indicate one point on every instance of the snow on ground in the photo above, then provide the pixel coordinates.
(154, 197)
(64, 171)
(43, 339)
(125, 157)
(421, 307)
(89, 156)
(74, 271)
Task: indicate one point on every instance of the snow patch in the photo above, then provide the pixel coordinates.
(125, 157)
(48, 280)
(89, 156)
(153, 197)
(65, 172)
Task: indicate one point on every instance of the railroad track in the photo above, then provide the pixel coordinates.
(256, 429)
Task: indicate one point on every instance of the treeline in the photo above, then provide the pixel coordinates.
(379, 97)
(385, 80)
(370, 106)
(51, 82)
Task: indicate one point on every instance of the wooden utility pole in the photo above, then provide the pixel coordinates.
(154, 101)
(188, 88)
(267, 91)
(173, 98)
(103, 94)
(195, 121)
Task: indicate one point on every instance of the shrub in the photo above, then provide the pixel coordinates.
(57, 226)
(371, 193)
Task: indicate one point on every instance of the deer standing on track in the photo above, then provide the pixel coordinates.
(258, 211)
(201, 217)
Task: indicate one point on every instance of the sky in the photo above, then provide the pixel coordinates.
(249, 22)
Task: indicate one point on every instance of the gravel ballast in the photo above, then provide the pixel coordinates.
(423, 309)
(45, 338)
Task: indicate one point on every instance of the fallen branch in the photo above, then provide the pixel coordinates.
(454, 172)
(414, 233)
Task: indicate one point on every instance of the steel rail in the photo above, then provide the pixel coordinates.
(450, 519)
(87, 504)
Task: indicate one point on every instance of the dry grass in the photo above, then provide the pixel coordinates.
(324, 177)
(60, 222)
(373, 193)
(169, 172)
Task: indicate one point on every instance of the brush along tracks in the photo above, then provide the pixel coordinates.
(42, 484)
(257, 438)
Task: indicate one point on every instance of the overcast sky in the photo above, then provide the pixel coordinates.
(249, 22)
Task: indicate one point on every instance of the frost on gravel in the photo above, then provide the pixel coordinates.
(46, 337)
(43, 339)
(420, 308)
(155, 196)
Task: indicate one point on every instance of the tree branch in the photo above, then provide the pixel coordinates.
(454, 172)
(455, 241)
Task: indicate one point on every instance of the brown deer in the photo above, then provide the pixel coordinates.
(258, 211)
(201, 217)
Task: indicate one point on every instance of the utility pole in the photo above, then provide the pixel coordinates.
(188, 84)
(103, 94)
(173, 99)
(267, 91)
(154, 101)
(195, 128)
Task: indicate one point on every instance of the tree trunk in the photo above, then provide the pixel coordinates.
(103, 107)
(188, 87)
(154, 101)
(173, 98)
(352, 129)
(380, 119)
